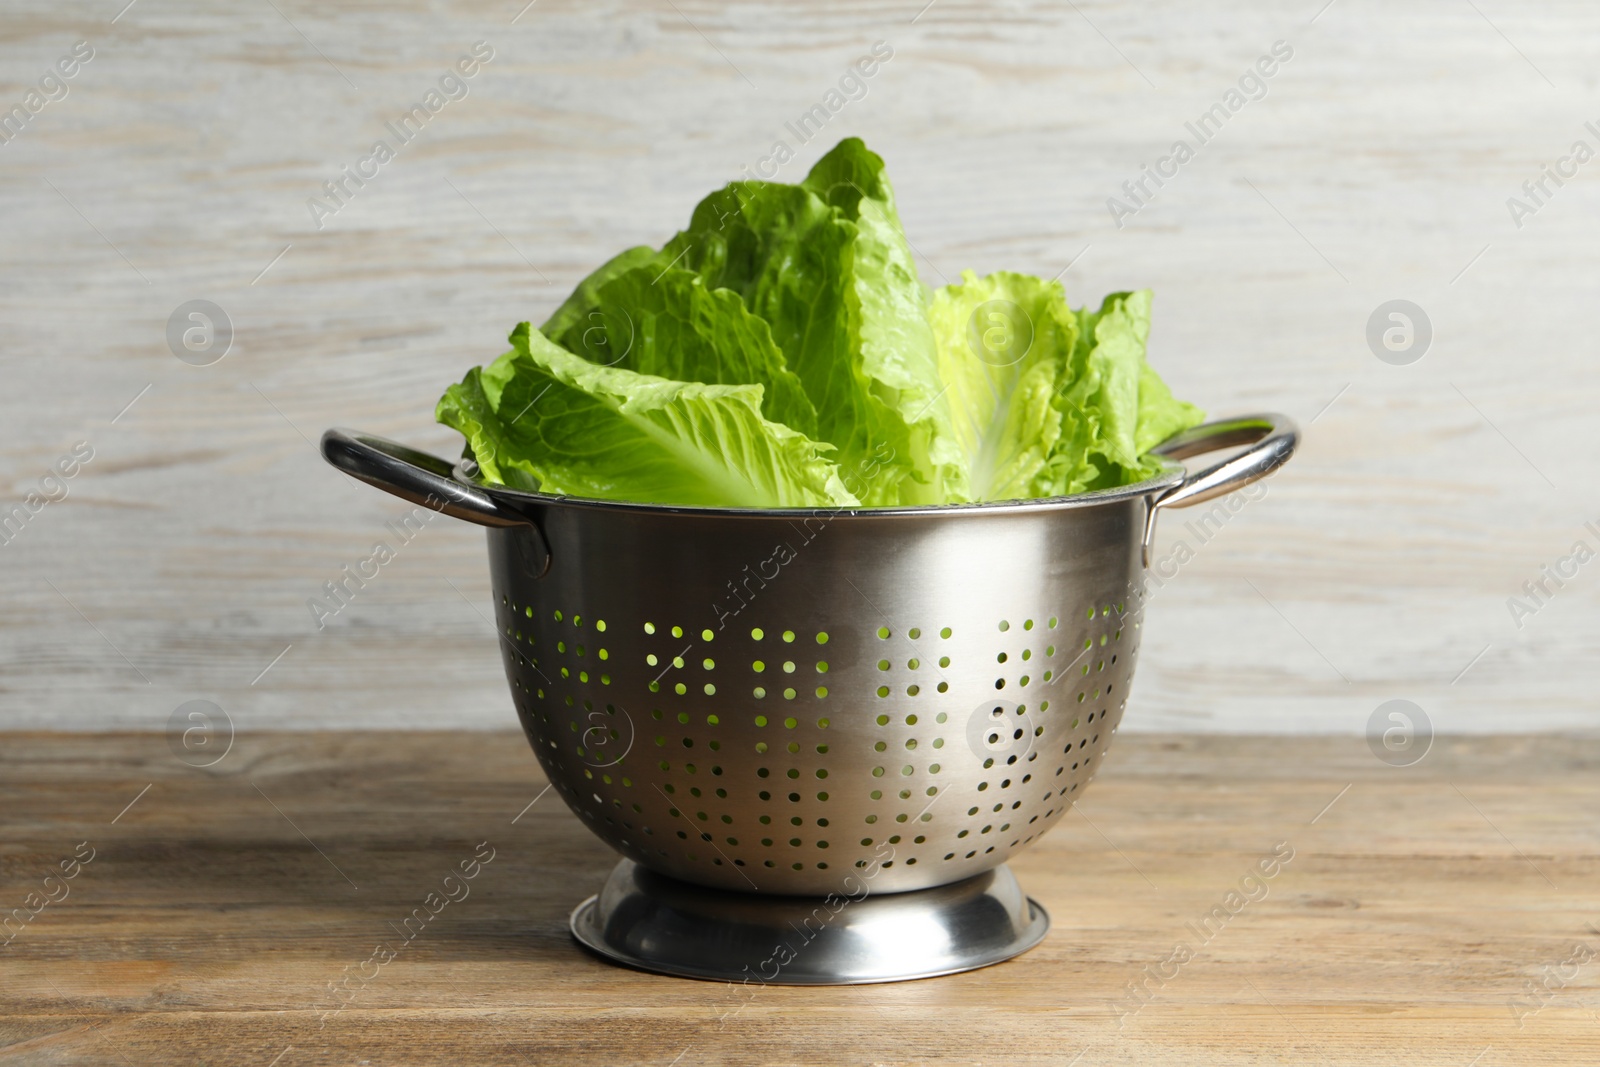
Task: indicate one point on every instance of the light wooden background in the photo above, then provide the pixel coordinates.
(1377, 168)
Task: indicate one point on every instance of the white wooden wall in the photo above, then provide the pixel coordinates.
(1377, 167)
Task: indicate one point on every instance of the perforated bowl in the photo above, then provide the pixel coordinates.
(768, 701)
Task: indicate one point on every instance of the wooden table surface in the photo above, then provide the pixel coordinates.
(1444, 913)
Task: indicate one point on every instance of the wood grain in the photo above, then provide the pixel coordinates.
(1418, 908)
(179, 165)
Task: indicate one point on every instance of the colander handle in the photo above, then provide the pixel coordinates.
(411, 475)
(1272, 439)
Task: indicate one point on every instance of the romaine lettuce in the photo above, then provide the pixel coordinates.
(782, 352)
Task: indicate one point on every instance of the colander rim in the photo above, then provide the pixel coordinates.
(1172, 475)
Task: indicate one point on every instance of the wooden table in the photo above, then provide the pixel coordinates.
(1445, 913)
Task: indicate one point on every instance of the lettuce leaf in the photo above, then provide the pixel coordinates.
(540, 415)
(886, 307)
(670, 324)
(576, 307)
(787, 254)
(1004, 342)
(1114, 408)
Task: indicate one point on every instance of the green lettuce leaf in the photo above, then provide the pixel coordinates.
(1114, 407)
(886, 306)
(1004, 342)
(670, 324)
(787, 254)
(576, 307)
(572, 427)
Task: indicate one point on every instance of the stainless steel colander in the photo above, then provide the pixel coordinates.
(770, 702)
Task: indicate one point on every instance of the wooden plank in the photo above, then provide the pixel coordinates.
(180, 163)
(1418, 906)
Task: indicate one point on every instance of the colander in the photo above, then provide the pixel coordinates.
(821, 729)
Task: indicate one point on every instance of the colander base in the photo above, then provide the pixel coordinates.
(654, 923)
